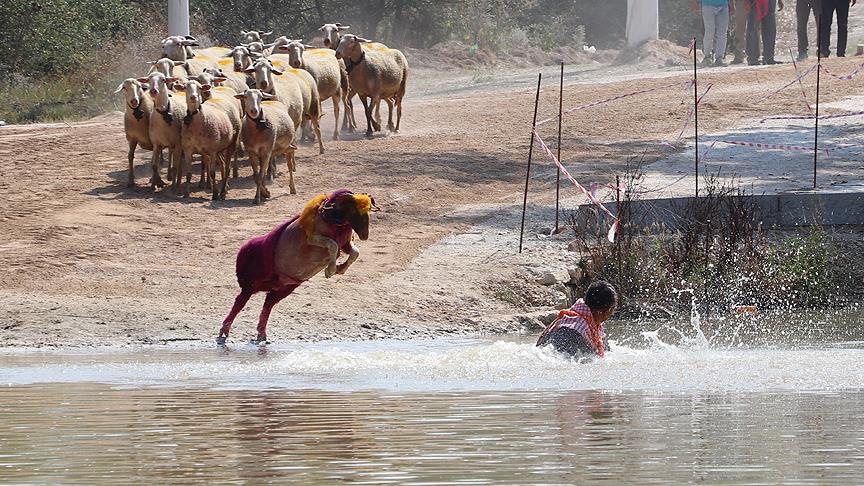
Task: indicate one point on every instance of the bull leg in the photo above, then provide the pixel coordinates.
(130, 182)
(331, 247)
(352, 256)
(273, 298)
(239, 304)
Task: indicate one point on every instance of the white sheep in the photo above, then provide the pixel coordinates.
(209, 129)
(136, 121)
(253, 35)
(267, 131)
(376, 73)
(169, 110)
(331, 79)
(169, 68)
(274, 76)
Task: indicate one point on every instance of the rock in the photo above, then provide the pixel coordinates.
(575, 274)
(547, 278)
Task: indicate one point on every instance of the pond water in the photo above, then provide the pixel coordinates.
(471, 411)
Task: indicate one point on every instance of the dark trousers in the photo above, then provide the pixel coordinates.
(568, 341)
(803, 8)
(768, 26)
(828, 9)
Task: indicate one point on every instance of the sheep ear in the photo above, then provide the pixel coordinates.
(180, 63)
(321, 28)
(220, 79)
(189, 37)
(249, 70)
(206, 87)
(360, 39)
(292, 147)
(267, 96)
(152, 62)
(243, 32)
(143, 80)
(145, 86)
(343, 27)
(119, 88)
(256, 55)
(266, 33)
(277, 71)
(307, 46)
(172, 79)
(239, 96)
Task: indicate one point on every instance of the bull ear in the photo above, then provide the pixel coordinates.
(243, 32)
(292, 147)
(152, 62)
(219, 79)
(189, 37)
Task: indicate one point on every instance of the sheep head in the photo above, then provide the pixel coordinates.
(331, 34)
(251, 101)
(133, 91)
(350, 46)
(263, 70)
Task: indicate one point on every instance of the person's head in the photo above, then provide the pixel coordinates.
(602, 299)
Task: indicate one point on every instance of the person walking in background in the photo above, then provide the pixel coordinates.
(827, 12)
(763, 16)
(739, 29)
(715, 16)
(803, 8)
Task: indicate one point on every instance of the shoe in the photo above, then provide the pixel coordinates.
(802, 56)
(738, 59)
(771, 62)
(841, 55)
(751, 62)
(706, 62)
(719, 63)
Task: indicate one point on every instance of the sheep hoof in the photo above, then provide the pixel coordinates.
(330, 270)
(293, 191)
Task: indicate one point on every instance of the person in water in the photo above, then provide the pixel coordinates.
(578, 331)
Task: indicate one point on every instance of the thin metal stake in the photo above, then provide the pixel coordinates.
(695, 119)
(818, 72)
(530, 154)
(558, 169)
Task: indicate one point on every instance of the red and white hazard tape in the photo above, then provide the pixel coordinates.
(790, 83)
(609, 100)
(770, 146)
(612, 230)
(813, 117)
(846, 77)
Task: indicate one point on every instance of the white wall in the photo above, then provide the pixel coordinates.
(643, 21)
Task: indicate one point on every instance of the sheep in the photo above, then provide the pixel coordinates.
(209, 129)
(169, 68)
(136, 121)
(270, 78)
(253, 35)
(267, 131)
(236, 81)
(165, 125)
(377, 74)
(240, 57)
(331, 34)
(332, 81)
(178, 47)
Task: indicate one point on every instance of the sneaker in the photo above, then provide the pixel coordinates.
(802, 56)
(719, 62)
(738, 60)
(771, 62)
(706, 62)
(753, 62)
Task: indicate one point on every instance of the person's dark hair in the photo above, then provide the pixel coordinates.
(601, 296)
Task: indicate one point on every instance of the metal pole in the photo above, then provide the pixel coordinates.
(178, 17)
(530, 153)
(695, 119)
(818, 71)
(558, 169)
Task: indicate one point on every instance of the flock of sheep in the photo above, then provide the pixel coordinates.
(210, 101)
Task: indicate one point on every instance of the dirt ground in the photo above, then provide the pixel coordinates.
(87, 261)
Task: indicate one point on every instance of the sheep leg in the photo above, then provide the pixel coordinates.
(172, 163)
(368, 110)
(155, 162)
(130, 182)
(234, 165)
(211, 172)
(259, 174)
(316, 126)
(289, 157)
(187, 165)
(349, 111)
(378, 115)
(390, 125)
(336, 100)
(224, 169)
(398, 113)
(265, 164)
(331, 247)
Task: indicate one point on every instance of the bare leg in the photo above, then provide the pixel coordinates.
(273, 298)
(239, 304)
(130, 182)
